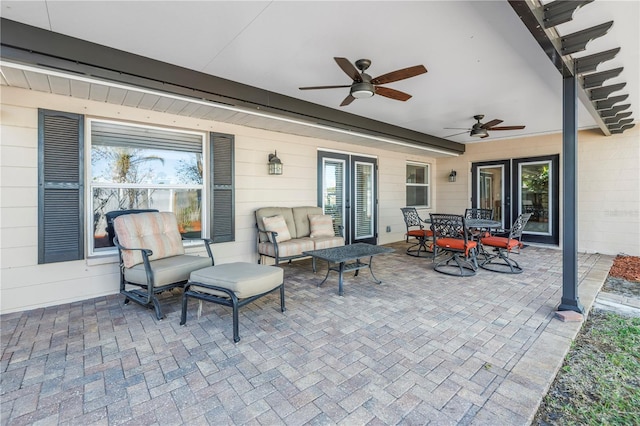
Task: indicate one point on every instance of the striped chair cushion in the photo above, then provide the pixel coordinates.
(277, 224)
(157, 232)
(321, 225)
(287, 248)
(328, 242)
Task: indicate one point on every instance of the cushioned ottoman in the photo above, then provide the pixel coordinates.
(233, 284)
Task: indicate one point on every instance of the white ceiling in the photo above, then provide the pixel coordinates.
(479, 56)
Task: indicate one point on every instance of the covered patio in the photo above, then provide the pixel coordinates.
(423, 347)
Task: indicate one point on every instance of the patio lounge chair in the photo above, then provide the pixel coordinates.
(152, 257)
(503, 246)
(415, 228)
(450, 234)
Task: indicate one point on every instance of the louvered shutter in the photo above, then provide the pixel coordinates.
(60, 186)
(222, 188)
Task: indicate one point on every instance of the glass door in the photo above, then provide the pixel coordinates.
(332, 192)
(364, 208)
(347, 192)
(537, 193)
(491, 189)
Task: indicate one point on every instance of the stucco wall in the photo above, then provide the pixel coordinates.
(25, 285)
(608, 184)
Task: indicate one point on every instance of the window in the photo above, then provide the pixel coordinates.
(128, 166)
(142, 167)
(418, 178)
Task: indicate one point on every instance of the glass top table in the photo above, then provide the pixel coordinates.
(347, 258)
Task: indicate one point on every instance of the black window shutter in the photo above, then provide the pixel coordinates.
(60, 186)
(222, 188)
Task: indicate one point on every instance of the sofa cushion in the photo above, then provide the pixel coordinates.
(285, 212)
(301, 219)
(327, 242)
(321, 225)
(157, 232)
(287, 248)
(276, 224)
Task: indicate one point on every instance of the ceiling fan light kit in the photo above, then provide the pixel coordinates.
(362, 90)
(479, 133)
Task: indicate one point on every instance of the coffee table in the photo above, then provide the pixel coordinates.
(347, 258)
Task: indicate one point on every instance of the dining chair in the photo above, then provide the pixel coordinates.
(416, 229)
(450, 234)
(499, 261)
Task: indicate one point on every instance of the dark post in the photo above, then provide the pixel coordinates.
(570, 300)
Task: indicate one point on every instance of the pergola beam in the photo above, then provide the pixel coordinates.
(532, 15)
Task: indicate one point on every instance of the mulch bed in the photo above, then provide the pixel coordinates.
(624, 276)
(626, 267)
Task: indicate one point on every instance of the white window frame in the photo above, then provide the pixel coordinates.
(90, 185)
(426, 184)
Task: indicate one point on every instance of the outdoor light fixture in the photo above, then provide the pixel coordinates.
(452, 176)
(275, 165)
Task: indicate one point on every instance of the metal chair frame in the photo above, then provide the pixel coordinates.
(413, 220)
(450, 234)
(500, 261)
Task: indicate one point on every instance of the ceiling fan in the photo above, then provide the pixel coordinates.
(364, 86)
(480, 130)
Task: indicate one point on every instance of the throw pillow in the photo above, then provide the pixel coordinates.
(276, 224)
(321, 225)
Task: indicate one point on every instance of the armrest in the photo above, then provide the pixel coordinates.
(207, 243)
(145, 251)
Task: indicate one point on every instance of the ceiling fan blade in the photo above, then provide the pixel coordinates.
(455, 134)
(458, 128)
(490, 124)
(485, 136)
(349, 69)
(392, 93)
(347, 100)
(507, 128)
(323, 87)
(399, 74)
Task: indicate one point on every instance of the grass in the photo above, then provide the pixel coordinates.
(599, 382)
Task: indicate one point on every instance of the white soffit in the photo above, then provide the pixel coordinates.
(55, 82)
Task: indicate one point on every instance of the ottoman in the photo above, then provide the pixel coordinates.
(233, 284)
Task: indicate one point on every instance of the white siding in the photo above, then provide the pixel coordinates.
(26, 285)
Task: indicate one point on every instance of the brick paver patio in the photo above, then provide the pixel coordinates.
(422, 348)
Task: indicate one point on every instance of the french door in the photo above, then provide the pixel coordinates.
(347, 190)
(522, 185)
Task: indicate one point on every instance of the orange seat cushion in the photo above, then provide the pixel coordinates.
(500, 242)
(456, 244)
(420, 233)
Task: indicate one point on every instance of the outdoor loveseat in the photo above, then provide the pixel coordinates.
(285, 232)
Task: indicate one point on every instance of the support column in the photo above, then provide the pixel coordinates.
(570, 300)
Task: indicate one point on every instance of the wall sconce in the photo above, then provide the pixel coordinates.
(452, 176)
(275, 165)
